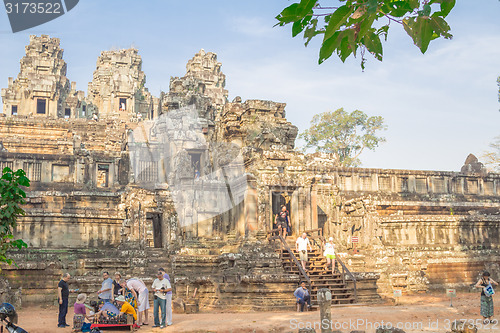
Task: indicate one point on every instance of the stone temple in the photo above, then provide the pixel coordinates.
(122, 180)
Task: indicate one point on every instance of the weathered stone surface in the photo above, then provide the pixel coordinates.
(93, 195)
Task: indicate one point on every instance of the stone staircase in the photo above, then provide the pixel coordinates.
(318, 275)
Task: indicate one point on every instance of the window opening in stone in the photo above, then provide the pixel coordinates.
(195, 164)
(123, 104)
(14, 110)
(155, 221)
(41, 105)
(67, 113)
(102, 175)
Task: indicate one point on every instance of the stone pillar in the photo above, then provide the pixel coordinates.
(251, 214)
(294, 212)
(325, 312)
(314, 209)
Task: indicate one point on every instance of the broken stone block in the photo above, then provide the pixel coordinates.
(178, 305)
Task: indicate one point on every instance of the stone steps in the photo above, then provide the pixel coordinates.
(320, 278)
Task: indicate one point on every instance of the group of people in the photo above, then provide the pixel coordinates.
(282, 220)
(118, 298)
(302, 244)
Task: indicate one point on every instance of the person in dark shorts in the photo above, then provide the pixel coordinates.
(282, 221)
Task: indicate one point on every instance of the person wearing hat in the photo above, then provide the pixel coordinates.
(329, 253)
(80, 312)
(107, 310)
(125, 307)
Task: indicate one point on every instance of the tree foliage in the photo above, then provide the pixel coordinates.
(12, 197)
(492, 158)
(356, 26)
(344, 134)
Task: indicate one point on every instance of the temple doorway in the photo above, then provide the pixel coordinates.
(278, 199)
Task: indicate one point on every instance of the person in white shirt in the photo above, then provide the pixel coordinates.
(301, 246)
(329, 254)
(160, 287)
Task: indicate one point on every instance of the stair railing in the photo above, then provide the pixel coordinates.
(345, 271)
(292, 256)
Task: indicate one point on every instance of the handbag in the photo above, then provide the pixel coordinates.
(489, 291)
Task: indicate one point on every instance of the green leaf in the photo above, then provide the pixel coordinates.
(372, 6)
(288, 15)
(345, 50)
(338, 18)
(400, 8)
(305, 6)
(441, 27)
(373, 45)
(329, 46)
(425, 32)
(384, 31)
(446, 7)
(365, 26)
(426, 10)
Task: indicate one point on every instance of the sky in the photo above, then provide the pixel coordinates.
(438, 107)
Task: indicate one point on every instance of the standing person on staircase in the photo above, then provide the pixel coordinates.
(282, 221)
(329, 253)
(301, 246)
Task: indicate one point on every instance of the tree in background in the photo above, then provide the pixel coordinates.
(356, 26)
(344, 134)
(12, 197)
(492, 158)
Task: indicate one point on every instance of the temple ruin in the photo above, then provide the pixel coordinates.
(125, 181)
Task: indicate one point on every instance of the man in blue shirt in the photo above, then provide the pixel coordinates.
(107, 285)
(302, 295)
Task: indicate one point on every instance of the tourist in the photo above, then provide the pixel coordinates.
(127, 293)
(141, 294)
(107, 310)
(302, 295)
(168, 298)
(125, 307)
(160, 287)
(117, 288)
(329, 253)
(106, 287)
(281, 221)
(80, 312)
(63, 297)
(301, 246)
(486, 296)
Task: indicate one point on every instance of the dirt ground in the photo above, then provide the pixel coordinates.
(417, 313)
